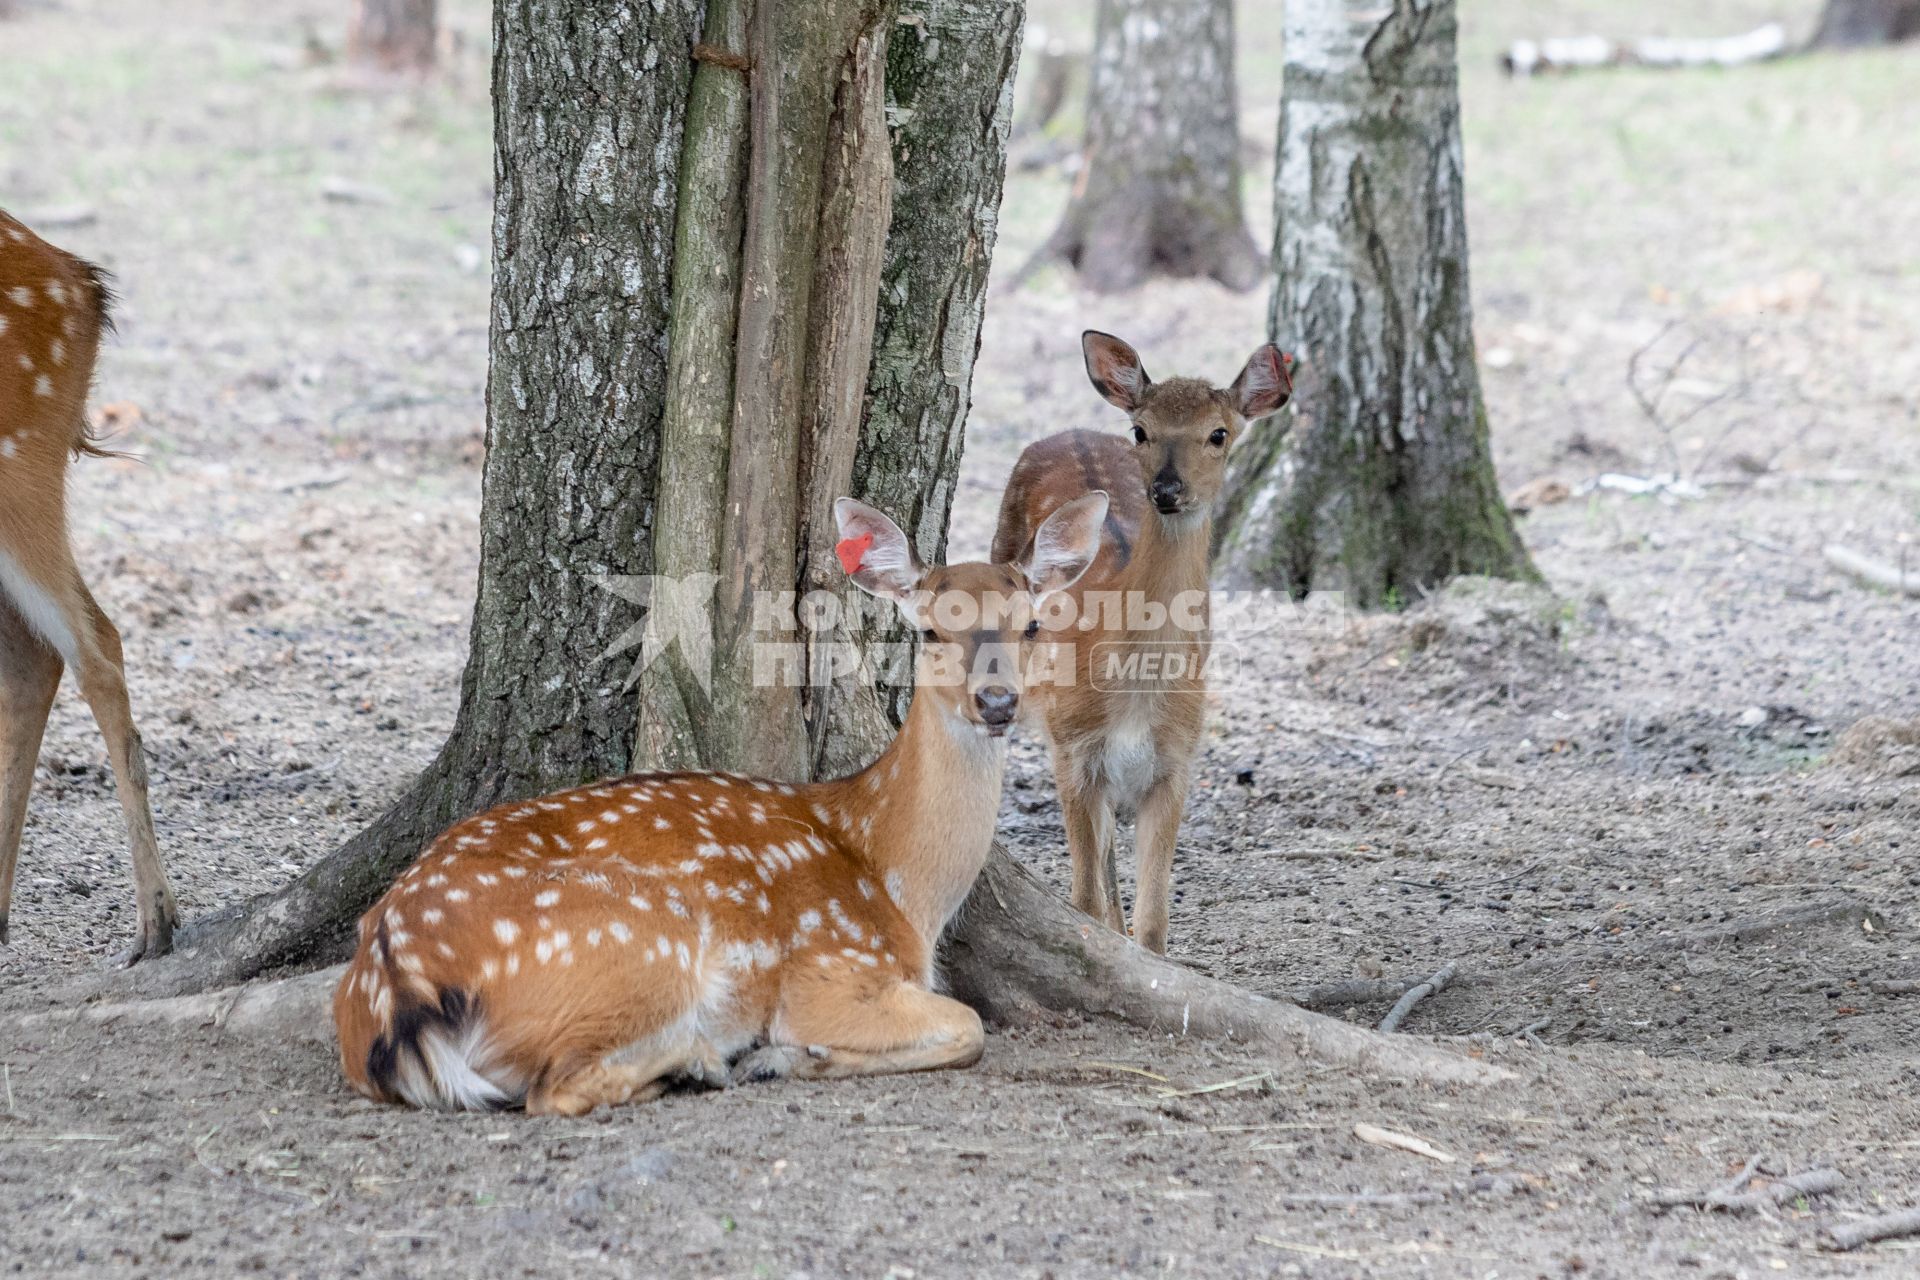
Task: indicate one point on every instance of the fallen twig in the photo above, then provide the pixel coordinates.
(1729, 1198)
(1240, 1082)
(1896, 987)
(1887, 1226)
(1334, 995)
(1395, 1141)
(1871, 572)
(1316, 855)
(1375, 1200)
(1404, 1006)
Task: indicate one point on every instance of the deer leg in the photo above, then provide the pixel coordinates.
(848, 1030)
(1155, 830)
(1088, 815)
(29, 675)
(103, 682)
(604, 1083)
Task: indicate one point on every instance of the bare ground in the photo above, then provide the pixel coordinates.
(1674, 906)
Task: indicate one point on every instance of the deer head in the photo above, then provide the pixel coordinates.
(975, 620)
(1183, 427)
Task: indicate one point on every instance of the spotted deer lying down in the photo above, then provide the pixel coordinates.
(595, 945)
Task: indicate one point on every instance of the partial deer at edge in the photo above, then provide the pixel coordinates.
(596, 945)
(1126, 745)
(53, 311)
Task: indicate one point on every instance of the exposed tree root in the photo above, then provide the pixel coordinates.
(1018, 950)
(284, 1009)
(1872, 572)
(1887, 1226)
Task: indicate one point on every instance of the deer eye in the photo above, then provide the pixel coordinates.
(930, 636)
(1139, 435)
(1033, 628)
(1218, 438)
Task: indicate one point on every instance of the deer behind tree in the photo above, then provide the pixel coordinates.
(1126, 714)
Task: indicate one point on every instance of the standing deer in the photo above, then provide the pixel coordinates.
(592, 946)
(1124, 743)
(53, 310)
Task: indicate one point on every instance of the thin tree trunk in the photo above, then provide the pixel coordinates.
(1849, 24)
(1160, 188)
(806, 113)
(1387, 486)
(950, 97)
(394, 37)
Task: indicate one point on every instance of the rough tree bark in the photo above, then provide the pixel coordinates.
(394, 37)
(1860, 23)
(816, 186)
(1159, 190)
(586, 241)
(1386, 486)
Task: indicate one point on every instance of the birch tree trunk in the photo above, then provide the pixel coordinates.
(1387, 485)
(1159, 190)
(394, 37)
(1862, 23)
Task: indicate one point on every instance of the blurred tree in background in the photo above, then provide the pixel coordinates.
(1159, 188)
(1850, 23)
(394, 37)
(1386, 487)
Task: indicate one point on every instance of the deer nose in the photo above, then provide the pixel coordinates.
(1167, 489)
(996, 706)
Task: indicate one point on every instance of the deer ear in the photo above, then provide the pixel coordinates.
(874, 553)
(1065, 545)
(1264, 385)
(1115, 369)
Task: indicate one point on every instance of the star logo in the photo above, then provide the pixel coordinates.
(678, 611)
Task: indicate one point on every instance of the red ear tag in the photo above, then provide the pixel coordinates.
(852, 550)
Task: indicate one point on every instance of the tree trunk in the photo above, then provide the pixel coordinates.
(394, 37)
(593, 270)
(587, 117)
(950, 77)
(1159, 190)
(1387, 486)
(1859, 23)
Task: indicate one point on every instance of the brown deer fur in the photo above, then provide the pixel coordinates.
(53, 311)
(1126, 745)
(593, 946)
